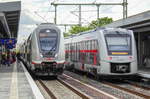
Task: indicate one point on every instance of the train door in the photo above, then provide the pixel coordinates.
(29, 50)
(82, 55)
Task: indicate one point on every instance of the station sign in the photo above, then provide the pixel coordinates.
(9, 43)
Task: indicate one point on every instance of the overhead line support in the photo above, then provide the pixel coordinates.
(124, 4)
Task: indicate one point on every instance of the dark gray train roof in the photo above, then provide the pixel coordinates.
(9, 17)
(137, 23)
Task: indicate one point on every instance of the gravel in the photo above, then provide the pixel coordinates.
(99, 85)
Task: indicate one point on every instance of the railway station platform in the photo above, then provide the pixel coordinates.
(145, 73)
(16, 83)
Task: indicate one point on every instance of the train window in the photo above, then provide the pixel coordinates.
(67, 52)
(48, 39)
(76, 51)
(118, 43)
(83, 52)
(94, 44)
(72, 54)
(86, 52)
(87, 45)
(90, 44)
(48, 44)
(79, 50)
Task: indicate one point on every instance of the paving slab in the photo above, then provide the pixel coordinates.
(14, 83)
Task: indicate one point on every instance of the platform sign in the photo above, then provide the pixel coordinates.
(9, 43)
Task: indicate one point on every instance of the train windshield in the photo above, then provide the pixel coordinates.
(48, 39)
(118, 43)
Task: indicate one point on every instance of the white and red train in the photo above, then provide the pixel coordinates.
(44, 51)
(103, 51)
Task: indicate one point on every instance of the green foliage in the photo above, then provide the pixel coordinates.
(96, 23)
(100, 22)
(66, 34)
(76, 29)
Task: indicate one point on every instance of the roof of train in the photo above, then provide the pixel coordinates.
(90, 31)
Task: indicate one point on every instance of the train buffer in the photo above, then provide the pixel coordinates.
(16, 83)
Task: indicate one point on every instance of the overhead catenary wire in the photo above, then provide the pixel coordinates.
(124, 4)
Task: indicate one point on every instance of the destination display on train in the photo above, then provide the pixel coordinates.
(47, 34)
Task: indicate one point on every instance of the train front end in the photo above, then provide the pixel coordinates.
(119, 56)
(51, 49)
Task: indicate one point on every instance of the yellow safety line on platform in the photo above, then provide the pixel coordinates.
(14, 85)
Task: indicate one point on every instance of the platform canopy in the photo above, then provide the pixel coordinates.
(138, 23)
(9, 18)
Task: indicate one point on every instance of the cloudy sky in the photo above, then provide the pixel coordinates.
(35, 12)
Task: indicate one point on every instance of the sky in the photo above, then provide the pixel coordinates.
(34, 12)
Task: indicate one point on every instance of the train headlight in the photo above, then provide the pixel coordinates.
(56, 55)
(110, 58)
(41, 55)
(130, 57)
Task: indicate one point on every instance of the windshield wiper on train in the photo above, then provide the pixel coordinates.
(54, 46)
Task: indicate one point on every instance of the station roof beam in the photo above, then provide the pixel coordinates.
(11, 11)
(137, 23)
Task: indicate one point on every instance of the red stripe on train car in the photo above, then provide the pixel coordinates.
(83, 51)
(48, 58)
(89, 51)
(95, 59)
(34, 63)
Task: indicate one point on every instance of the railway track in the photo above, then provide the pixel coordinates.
(139, 85)
(72, 89)
(124, 89)
(132, 89)
(50, 93)
(55, 90)
(85, 88)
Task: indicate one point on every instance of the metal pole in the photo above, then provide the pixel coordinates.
(11, 35)
(139, 49)
(124, 9)
(80, 15)
(65, 28)
(55, 19)
(97, 11)
(124, 4)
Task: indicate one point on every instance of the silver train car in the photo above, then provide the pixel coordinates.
(107, 52)
(44, 51)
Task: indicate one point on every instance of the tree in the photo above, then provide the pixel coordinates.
(96, 23)
(100, 22)
(76, 29)
(66, 34)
